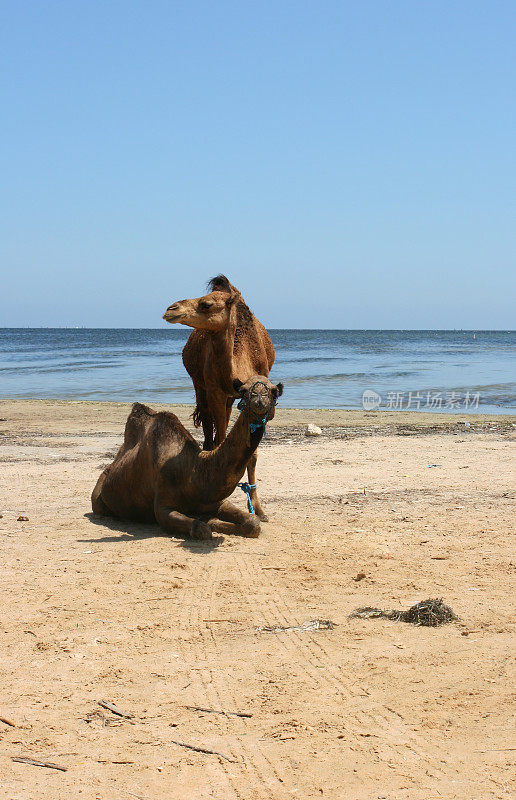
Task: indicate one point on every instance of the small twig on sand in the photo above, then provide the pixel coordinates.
(153, 599)
(34, 763)
(313, 625)
(111, 707)
(223, 552)
(8, 722)
(225, 713)
(497, 750)
(274, 567)
(203, 750)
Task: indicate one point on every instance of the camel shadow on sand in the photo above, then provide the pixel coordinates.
(136, 531)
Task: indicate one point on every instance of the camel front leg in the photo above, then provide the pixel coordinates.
(180, 525)
(229, 406)
(207, 429)
(203, 417)
(232, 520)
(251, 477)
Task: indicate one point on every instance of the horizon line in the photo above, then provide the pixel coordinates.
(139, 328)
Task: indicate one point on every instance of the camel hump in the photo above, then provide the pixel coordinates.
(141, 415)
(139, 408)
(135, 425)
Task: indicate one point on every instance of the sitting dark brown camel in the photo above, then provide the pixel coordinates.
(228, 342)
(160, 474)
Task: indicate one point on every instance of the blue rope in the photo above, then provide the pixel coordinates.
(254, 426)
(246, 488)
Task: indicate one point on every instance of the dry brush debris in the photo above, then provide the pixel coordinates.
(429, 613)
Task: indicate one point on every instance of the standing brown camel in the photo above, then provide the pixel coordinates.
(160, 474)
(228, 342)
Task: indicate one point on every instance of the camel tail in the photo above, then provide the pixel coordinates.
(197, 418)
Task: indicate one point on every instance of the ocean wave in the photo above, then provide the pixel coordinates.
(68, 368)
(346, 376)
(282, 359)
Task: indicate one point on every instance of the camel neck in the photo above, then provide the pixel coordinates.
(222, 344)
(223, 341)
(232, 455)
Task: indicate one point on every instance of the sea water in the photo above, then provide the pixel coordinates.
(459, 371)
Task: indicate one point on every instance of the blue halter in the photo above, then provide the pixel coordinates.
(262, 423)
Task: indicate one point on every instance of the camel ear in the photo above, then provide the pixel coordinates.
(237, 385)
(233, 297)
(279, 387)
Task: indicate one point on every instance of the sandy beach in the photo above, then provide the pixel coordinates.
(384, 509)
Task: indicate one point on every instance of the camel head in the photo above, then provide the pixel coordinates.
(259, 396)
(213, 312)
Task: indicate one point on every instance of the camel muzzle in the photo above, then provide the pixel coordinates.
(173, 313)
(261, 405)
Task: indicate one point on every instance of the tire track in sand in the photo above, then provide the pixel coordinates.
(190, 652)
(316, 660)
(267, 783)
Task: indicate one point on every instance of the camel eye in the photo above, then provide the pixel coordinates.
(205, 305)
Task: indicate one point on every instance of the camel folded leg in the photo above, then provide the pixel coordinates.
(233, 521)
(181, 525)
(98, 505)
(251, 477)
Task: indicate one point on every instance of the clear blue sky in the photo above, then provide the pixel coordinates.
(347, 164)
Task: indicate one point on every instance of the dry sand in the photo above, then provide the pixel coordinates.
(99, 610)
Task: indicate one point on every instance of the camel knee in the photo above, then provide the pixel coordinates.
(98, 506)
(252, 527)
(201, 530)
(180, 524)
